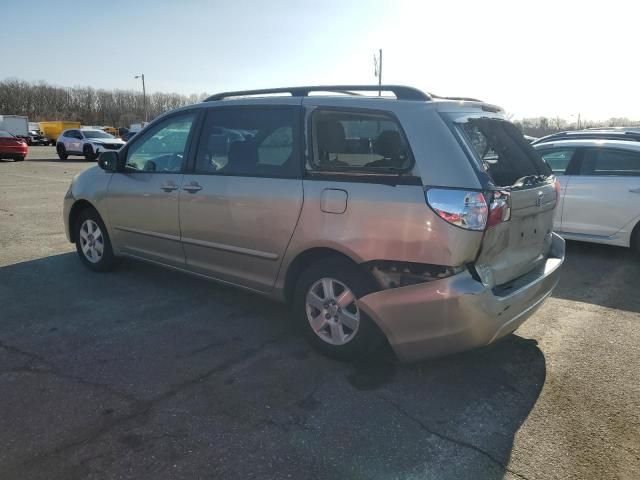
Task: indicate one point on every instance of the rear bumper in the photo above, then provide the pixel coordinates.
(14, 151)
(459, 313)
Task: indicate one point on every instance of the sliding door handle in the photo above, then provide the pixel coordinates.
(192, 187)
(169, 186)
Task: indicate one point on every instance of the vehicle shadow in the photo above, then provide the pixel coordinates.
(222, 370)
(600, 275)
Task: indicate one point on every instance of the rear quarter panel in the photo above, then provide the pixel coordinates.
(381, 222)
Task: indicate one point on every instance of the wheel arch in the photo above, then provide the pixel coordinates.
(79, 206)
(634, 239)
(306, 258)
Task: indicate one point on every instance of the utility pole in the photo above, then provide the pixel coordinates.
(377, 62)
(144, 96)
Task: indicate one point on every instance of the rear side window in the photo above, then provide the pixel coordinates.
(502, 151)
(250, 141)
(358, 141)
(558, 160)
(610, 162)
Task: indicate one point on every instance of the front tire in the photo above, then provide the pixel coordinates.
(18, 159)
(93, 243)
(89, 154)
(325, 307)
(62, 152)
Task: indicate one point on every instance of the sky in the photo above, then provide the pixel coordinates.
(554, 58)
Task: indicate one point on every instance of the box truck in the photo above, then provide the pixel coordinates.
(16, 125)
(52, 130)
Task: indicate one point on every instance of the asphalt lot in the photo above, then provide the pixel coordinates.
(146, 373)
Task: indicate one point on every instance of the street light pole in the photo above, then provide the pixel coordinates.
(144, 96)
(377, 62)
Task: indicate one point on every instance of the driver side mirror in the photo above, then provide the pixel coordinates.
(108, 161)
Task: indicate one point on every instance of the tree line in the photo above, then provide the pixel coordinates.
(541, 126)
(40, 101)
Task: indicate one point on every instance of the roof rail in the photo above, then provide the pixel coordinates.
(461, 99)
(401, 92)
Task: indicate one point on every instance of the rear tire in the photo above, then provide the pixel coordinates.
(18, 159)
(635, 239)
(93, 243)
(324, 307)
(89, 155)
(62, 152)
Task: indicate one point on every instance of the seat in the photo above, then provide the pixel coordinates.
(389, 146)
(242, 158)
(331, 140)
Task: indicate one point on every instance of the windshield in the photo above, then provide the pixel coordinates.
(502, 151)
(4, 134)
(96, 134)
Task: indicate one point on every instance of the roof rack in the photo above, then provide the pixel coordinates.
(401, 92)
(460, 99)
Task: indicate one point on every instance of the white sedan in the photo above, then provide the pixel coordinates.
(85, 142)
(600, 190)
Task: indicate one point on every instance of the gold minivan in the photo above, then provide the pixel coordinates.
(420, 220)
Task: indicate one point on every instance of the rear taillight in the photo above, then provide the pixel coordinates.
(462, 208)
(470, 210)
(499, 208)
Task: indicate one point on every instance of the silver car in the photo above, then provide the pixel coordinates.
(415, 219)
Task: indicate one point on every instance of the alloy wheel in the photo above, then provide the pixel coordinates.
(91, 241)
(332, 311)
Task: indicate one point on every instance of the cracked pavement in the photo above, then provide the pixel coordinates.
(148, 373)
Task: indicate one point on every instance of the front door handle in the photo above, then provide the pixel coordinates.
(635, 190)
(169, 186)
(192, 187)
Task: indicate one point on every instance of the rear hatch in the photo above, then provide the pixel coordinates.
(510, 168)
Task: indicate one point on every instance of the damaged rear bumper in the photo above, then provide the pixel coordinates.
(459, 313)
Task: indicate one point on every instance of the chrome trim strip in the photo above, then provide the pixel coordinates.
(195, 274)
(164, 236)
(230, 248)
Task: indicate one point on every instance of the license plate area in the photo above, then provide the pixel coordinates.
(530, 231)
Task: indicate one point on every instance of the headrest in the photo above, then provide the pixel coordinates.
(388, 144)
(242, 157)
(331, 137)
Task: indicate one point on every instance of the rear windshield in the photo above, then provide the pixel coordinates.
(4, 134)
(502, 151)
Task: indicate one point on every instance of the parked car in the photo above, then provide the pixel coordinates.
(424, 221)
(85, 142)
(614, 133)
(36, 138)
(12, 147)
(600, 190)
(52, 130)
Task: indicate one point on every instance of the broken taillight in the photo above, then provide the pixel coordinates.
(499, 207)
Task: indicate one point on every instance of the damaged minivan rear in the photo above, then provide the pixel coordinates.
(504, 214)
